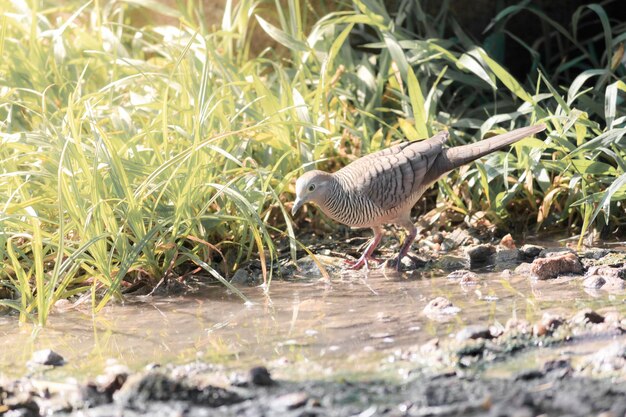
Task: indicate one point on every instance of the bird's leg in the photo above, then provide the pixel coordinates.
(367, 254)
(408, 241)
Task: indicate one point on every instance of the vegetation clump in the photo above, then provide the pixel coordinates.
(130, 153)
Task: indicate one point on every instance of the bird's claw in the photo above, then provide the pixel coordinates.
(362, 262)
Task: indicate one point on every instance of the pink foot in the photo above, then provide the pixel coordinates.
(356, 265)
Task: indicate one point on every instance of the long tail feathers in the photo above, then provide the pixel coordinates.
(452, 158)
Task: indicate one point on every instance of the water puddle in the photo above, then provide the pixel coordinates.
(307, 327)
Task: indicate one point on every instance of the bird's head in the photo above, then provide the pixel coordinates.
(311, 187)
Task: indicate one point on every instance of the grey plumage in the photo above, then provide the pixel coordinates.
(382, 187)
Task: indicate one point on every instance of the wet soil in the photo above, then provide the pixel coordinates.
(486, 329)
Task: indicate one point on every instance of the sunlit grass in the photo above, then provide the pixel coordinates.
(131, 153)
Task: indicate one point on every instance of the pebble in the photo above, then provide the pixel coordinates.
(481, 254)
(46, 357)
(596, 253)
(528, 375)
(440, 306)
(530, 252)
(523, 268)
(614, 284)
(241, 277)
(508, 242)
(463, 276)
(547, 325)
(587, 315)
(381, 335)
(517, 325)
(557, 364)
(552, 267)
(289, 401)
(551, 252)
(410, 262)
(452, 263)
(594, 281)
(507, 257)
(475, 331)
(607, 271)
(260, 376)
(437, 238)
(22, 405)
(608, 359)
(608, 283)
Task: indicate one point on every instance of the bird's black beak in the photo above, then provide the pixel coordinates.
(296, 206)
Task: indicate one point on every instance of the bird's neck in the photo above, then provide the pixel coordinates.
(336, 201)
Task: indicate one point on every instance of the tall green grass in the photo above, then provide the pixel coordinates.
(134, 154)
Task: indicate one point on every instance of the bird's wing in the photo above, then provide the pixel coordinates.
(389, 177)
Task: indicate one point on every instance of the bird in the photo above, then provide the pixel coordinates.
(382, 187)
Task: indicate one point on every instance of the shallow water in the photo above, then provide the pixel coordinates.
(307, 328)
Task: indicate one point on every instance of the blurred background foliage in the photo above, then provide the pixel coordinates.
(143, 141)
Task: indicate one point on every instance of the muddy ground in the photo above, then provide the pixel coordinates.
(579, 365)
(557, 388)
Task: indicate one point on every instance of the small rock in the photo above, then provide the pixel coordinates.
(22, 405)
(587, 315)
(607, 271)
(458, 237)
(507, 257)
(528, 375)
(307, 267)
(471, 348)
(496, 330)
(481, 254)
(410, 262)
(437, 238)
(551, 252)
(608, 359)
(614, 284)
(606, 282)
(612, 317)
(594, 281)
(508, 242)
(452, 263)
(596, 253)
(523, 268)
(557, 364)
(548, 324)
(440, 306)
(289, 401)
(475, 331)
(241, 277)
(141, 389)
(381, 335)
(260, 376)
(517, 326)
(101, 392)
(552, 267)
(46, 357)
(530, 252)
(463, 276)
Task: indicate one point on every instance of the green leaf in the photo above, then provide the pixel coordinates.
(417, 104)
(282, 37)
(610, 101)
(507, 79)
(470, 62)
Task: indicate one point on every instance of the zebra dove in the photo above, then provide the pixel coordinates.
(382, 187)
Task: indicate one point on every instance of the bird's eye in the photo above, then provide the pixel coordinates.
(311, 187)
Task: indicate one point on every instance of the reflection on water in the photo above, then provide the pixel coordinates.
(323, 328)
